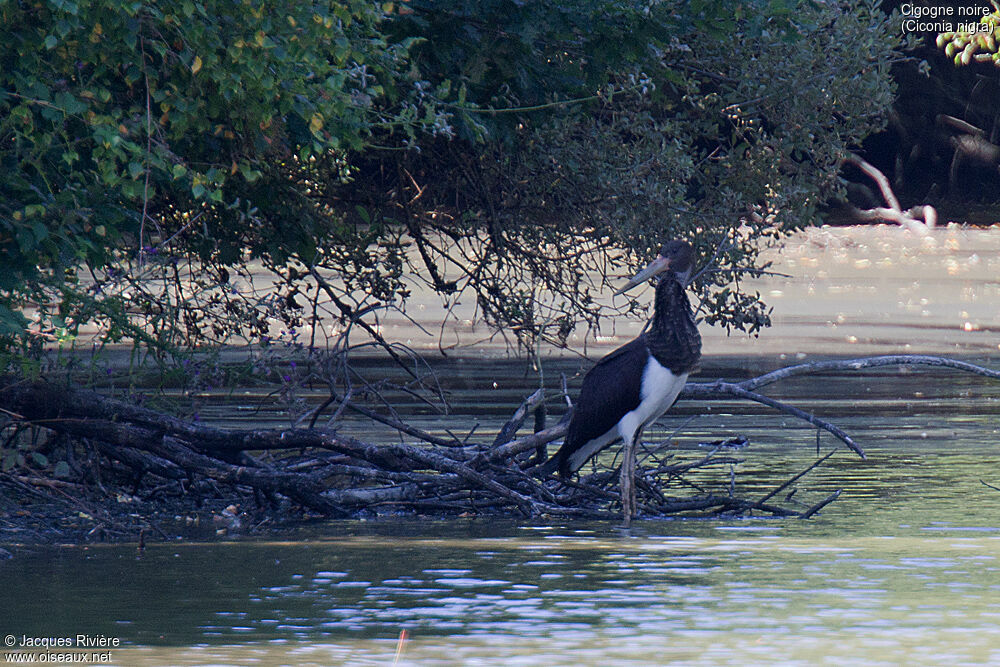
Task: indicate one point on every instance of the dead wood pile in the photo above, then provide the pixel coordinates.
(337, 476)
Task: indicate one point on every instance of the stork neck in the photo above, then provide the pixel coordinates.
(673, 337)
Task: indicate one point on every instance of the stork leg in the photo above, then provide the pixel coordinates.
(627, 482)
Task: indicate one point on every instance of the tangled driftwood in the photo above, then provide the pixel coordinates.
(919, 219)
(336, 475)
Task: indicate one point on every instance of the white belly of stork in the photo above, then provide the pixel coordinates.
(658, 392)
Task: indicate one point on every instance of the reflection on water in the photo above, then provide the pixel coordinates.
(681, 591)
(903, 569)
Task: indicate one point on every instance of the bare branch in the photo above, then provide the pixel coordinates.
(509, 429)
(821, 504)
(794, 479)
(746, 388)
(862, 363)
(720, 388)
(960, 125)
(883, 183)
(337, 475)
(894, 213)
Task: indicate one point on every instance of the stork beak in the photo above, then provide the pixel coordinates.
(656, 267)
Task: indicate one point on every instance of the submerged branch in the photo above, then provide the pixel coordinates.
(794, 479)
(720, 388)
(745, 389)
(821, 504)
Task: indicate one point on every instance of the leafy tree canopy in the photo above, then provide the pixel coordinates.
(594, 130)
(123, 122)
(510, 151)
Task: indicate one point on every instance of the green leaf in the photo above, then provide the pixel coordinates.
(249, 173)
(40, 230)
(70, 104)
(11, 322)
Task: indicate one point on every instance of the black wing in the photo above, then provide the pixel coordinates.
(610, 391)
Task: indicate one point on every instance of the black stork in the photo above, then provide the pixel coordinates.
(633, 386)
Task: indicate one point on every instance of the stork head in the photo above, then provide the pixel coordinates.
(675, 256)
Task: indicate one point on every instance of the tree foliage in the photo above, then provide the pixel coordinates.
(122, 123)
(604, 128)
(520, 153)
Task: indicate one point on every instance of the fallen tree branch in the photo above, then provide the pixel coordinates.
(862, 363)
(878, 177)
(527, 443)
(919, 219)
(745, 389)
(396, 424)
(821, 504)
(337, 475)
(908, 219)
(509, 429)
(727, 388)
(794, 479)
(972, 146)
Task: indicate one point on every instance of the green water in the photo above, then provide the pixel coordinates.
(903, 569)
(470, 593)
